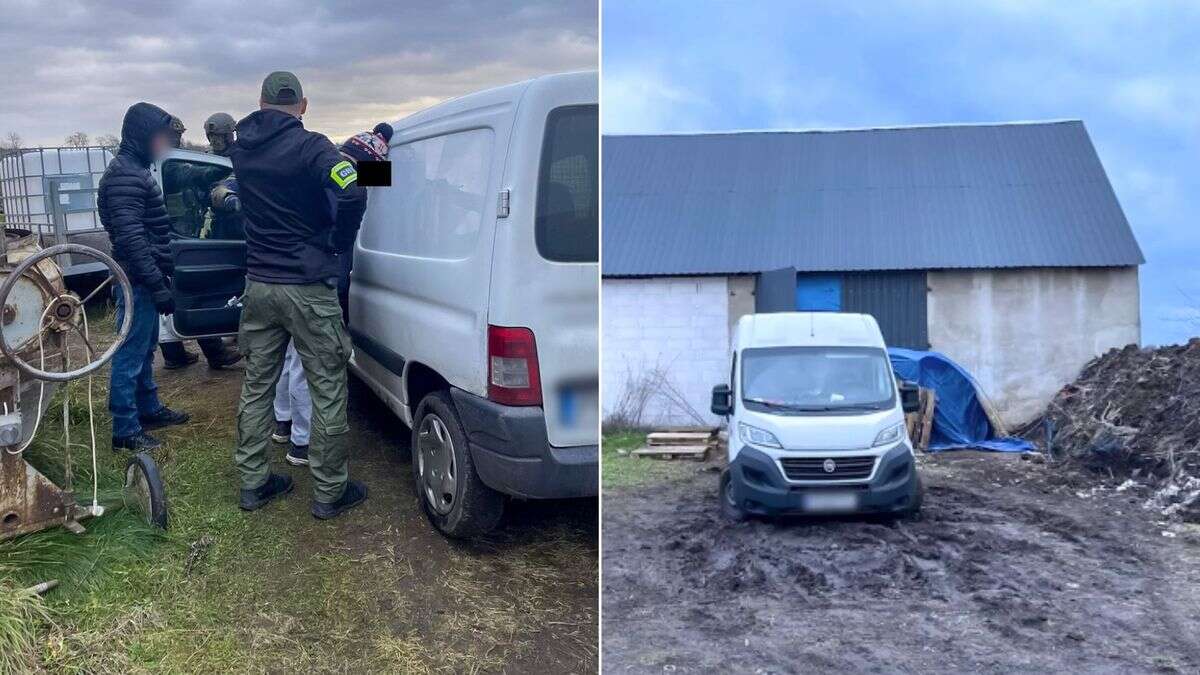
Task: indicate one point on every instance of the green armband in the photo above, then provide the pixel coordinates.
(343, 173)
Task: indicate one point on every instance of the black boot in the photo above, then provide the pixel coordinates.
(217, 354)
(165, 417)
(355, 494)
(175, 359)
(297, 455)
(283, 431)
(138, 442)
(277, 485)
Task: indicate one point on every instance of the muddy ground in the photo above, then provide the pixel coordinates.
(1011, 568)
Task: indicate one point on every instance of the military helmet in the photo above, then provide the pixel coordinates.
(219, 123)
(177, 130)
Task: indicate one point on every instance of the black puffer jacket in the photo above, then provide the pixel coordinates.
(131, 204)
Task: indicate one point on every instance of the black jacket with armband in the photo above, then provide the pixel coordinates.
(300, 198)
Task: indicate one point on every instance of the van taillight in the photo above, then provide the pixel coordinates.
(513, 377)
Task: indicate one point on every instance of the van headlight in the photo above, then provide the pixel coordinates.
(756, 436)
(889, 435)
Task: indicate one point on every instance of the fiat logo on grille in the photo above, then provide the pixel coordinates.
(830, 466)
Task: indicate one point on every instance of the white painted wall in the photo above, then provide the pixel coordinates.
(679, 325)
(1024, 333)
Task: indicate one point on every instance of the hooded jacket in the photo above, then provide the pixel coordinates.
(300, 198)
(131, 205)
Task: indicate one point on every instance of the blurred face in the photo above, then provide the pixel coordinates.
(161, 143)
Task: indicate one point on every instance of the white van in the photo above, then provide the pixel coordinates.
(474, 295)
(474, 299)
(816, 419)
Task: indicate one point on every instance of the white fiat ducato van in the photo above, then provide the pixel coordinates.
(474, 296)
(816, 419)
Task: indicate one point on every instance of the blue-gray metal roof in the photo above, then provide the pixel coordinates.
(956, 196)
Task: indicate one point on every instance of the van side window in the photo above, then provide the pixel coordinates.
(187, 191)
(567, 221)
(436, 202)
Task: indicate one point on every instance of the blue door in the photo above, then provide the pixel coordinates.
(818, 293)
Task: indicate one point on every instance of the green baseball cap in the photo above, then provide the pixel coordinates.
(282, 88)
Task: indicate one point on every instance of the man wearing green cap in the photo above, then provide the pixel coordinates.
(303, 206)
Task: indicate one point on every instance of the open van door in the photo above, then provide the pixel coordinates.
(210, 274)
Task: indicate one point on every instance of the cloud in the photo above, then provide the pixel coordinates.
(80, 65)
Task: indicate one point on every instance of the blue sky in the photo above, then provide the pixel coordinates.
(1130, 71)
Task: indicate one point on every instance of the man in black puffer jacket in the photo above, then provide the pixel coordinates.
(134, 215)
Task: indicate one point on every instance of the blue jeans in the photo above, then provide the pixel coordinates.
(132, 391)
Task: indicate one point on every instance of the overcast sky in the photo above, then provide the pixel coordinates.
(1129, 70)
(68, 66)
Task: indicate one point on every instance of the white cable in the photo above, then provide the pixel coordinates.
(87, 342)
(41, 385)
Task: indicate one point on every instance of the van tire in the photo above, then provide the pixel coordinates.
(476, 509)
(729, 511)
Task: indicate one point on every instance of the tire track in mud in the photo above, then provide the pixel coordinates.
(1015, 578)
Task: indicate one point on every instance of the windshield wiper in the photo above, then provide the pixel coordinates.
(773, 404)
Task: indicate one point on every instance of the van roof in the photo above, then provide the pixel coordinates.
(487, 97)
(808, 329)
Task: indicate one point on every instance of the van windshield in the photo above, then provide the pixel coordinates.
(817, 379)
(568, 206)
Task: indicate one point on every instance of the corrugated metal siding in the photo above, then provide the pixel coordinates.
(1015, 195)
(897, 300)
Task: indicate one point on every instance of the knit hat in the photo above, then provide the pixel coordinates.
(369, 146)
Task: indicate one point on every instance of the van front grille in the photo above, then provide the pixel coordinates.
(815, 468)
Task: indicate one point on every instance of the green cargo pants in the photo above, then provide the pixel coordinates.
(310, 315)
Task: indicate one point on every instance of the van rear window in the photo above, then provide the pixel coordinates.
(567, 222)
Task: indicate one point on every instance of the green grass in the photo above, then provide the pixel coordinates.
(275, 591)
(619, 469)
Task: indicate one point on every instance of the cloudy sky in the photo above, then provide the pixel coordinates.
(1129, 70)
(68, 66)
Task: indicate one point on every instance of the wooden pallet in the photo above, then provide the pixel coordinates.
(680, 437)
(920, 423)
(673, 444)
(696, 452)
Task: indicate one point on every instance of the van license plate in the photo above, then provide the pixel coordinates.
(831, 501)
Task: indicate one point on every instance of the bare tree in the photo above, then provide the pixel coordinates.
(12, 141)
(77, 140)
(108, 140)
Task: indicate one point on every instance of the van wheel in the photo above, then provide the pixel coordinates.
(451, 494)
(729, 508)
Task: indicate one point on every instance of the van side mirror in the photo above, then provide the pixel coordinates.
(910, 397)
(722, 400)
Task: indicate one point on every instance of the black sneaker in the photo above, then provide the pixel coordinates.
(355, 494)
(283, 431)
(297, 455)
(188, 359)
(165, 417)
(277, 485)
(138, 442)
(224, 359)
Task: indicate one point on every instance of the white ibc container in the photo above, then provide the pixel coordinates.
(26, 177)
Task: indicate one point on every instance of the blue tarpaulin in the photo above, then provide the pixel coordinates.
(959, 420)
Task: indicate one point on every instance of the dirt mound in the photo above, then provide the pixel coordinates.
(1132, 412)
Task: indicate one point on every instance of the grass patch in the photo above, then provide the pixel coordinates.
(619, 469)
(22, 616)
(276, 591)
